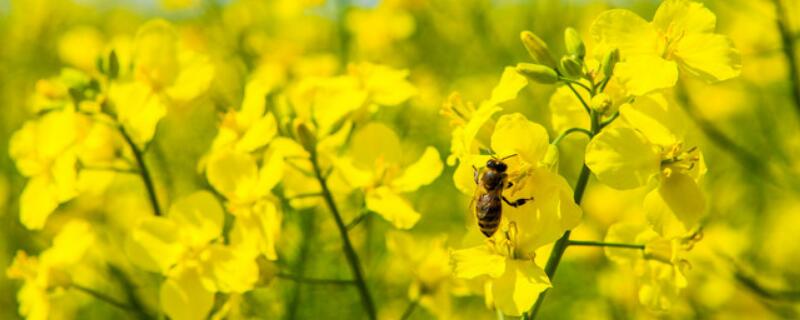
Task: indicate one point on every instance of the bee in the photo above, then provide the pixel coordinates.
(489, 193)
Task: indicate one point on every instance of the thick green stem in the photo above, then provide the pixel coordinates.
(349, 252)
(606, 244)
(143, 171)
(562, 243)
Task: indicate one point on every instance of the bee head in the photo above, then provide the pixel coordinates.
(496, 165)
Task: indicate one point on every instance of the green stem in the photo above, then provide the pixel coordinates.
(410, 309)
(104, 297)
(789, 49)
(583, 102)
(562, 243)
(570, 131)
(605, 244)
(578, 83)
(143, 171)
(349, 252)
(301, 279)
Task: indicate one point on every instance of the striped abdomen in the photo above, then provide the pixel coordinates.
(488, 210)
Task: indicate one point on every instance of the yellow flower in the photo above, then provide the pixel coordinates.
(660, 267)
(515, 280)
(374, 166)
(329, 101)
(246, 188)
(186, 247)
(468, 121)
(48, 274)
(165, 73)
(375, 30)
(428, 261)
(680, 35)
(45, 150)
(646, 147)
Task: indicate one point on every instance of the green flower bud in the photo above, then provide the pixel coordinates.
(537, 49)
(600, 103)
(305, 136)
(574, 44)
(609, 62)
(571, 66)
(537, 72)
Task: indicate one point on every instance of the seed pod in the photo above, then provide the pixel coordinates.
(537, 48)
(609, 62)
(574, 44)
(571, 66)
(537, 72)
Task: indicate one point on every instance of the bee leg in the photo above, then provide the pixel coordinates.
(518, 202)
(475, 174)
(510, 184)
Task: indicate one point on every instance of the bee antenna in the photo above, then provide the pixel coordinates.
(506, 157)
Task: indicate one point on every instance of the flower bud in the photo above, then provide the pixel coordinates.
(571, 66)
(537, 49)
(537, 72)
(609, 62)
(574, 44)
(600, 103)
(305, 136)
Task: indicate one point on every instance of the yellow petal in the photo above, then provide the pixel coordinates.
(711, 57)
(38, 200)
(199, 216)
(477, 261)
(545, 218)
(567, 111)
(622, 158)
(256, 230)
(518, 288)
(224, 270)
(511, 82)
(682, 17)
(514, 134)
(271, 171)
(678, 196)
(626, 31)
(420, 173)
(386, 86)
(259, 134)
(639, 75)
(155, 244)
(69, 245)
(374, 142)
(193, 78)
(658, 121)
(234, 175)
(183, 297)
(463, 177)
(139, 109)
(156, 54)
(392, 207)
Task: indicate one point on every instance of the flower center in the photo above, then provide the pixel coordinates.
(676, 159)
